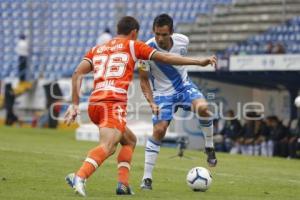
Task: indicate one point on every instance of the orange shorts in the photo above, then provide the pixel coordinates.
(108, 114)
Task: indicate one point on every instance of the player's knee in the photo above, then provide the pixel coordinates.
(200, 105)
(132, 141)
(160, 131)
(129, 138)
(203, 111)
(112, 150)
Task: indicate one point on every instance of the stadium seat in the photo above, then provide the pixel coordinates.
(287, 34)
(69, 28)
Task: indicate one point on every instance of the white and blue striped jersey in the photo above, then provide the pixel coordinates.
(168, 79)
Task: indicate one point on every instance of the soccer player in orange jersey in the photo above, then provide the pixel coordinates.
(112, 65)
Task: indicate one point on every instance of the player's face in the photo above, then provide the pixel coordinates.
(163, 36)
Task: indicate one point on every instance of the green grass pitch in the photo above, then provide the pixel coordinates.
(34, 162)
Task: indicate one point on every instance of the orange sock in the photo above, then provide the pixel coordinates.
(124, 160)
(94, 159)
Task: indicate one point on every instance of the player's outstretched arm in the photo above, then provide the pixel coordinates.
(146, 89)
(84, 67)
(174, 59)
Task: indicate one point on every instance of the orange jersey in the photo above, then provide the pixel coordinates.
(113, 67)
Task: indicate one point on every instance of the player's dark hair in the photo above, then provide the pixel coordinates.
(127, 24)
(163, 20)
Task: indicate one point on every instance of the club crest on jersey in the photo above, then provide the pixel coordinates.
(183, 51)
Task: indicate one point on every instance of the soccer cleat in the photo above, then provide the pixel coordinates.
(146, 184)
(123, 190)
(77, 183)
(211, 156)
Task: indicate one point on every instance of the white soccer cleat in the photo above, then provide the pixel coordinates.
(77, 183)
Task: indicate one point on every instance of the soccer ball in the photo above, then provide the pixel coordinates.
(297, 101)
(199, 179)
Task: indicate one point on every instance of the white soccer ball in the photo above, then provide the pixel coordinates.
(199, 179)
(297, 101)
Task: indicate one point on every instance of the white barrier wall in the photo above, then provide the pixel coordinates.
(284, 62)
(139, 114)
(34, 99)
(275, 102)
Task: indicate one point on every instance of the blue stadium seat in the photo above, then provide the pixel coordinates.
(70, 28)
(288, 34)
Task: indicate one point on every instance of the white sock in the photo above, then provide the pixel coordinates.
(151, 153)
(208, 130)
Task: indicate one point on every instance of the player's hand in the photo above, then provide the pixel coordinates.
(155, 109)
(143, 65)
(71, 114)
(212, 60)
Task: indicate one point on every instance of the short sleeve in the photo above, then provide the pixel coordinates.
(143, 51)
(89, 56)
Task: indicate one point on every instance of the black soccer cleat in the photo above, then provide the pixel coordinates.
(146, 184)
(123, 190)
(211, 156)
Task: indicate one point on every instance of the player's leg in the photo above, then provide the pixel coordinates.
(110, 137)
(160, 125)
(264, 147)
(128, 142)
(270, 147)
(110, 128)
(236, 149)
(244, 147)
(257, 146)
(151, 152)
(200, 107)
(250, 148)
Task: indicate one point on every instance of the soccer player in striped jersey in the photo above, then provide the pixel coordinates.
(171, 89)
